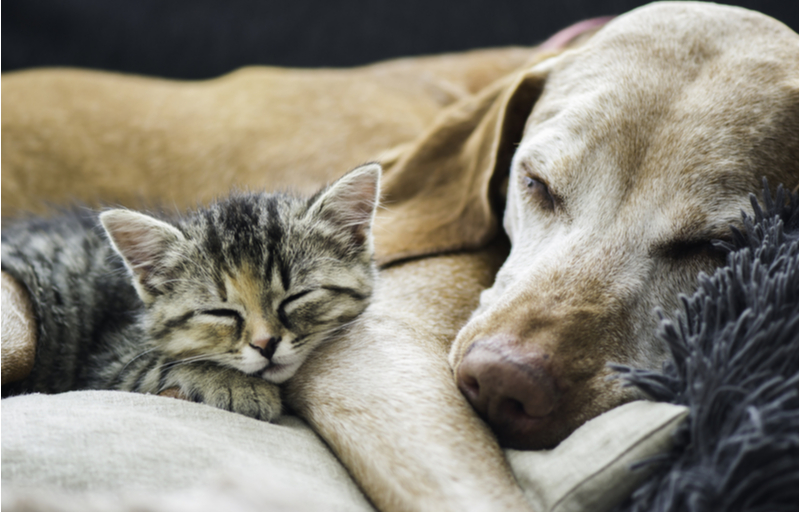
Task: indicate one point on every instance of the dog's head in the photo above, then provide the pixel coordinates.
(640, 148)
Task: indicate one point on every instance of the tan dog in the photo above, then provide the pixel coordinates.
(385, 398)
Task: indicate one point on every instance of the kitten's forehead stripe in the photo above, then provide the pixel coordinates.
(275, 237)
(237, 225)
(212, 242)
(268, 266)
(253, 228)
(284, 273)
(222, 290)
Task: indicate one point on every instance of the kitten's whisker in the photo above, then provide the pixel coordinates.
(324, 333)
(185, 280)
(187, 360)
(384, 206)
(135, 358)
(329, 258)
(354, 223)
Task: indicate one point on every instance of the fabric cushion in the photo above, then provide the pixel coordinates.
(591, 469)
(107, 450)
(111, 443)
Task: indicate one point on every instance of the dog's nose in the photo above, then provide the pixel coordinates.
(266, 346)
(514, 393)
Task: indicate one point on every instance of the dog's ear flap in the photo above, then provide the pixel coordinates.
(442, 194)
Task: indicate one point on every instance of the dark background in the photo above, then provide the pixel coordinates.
(205, 38)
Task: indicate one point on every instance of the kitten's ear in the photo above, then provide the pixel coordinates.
(352, 200)
(143, 242)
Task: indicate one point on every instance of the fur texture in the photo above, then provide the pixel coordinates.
(734, 363)
(219, 303)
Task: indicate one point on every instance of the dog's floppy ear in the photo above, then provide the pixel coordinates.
(439, 194)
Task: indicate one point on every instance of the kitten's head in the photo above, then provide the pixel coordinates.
(255, 281)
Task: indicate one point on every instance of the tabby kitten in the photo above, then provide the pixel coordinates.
(221, 303)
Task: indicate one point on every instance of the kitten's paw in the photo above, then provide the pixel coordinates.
(228, 389)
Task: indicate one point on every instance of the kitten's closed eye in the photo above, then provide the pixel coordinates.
(328, 304)
(229, 315)
(294, 297)
(224, 313)
(291, 300)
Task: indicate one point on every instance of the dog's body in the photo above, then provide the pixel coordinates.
(102, 138)
(643, 144)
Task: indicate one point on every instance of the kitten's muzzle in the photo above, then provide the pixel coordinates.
(266, 346)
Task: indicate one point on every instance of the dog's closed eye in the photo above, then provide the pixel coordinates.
(540, 192)
(683, 249)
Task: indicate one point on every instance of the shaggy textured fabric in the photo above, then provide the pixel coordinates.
(735, 350)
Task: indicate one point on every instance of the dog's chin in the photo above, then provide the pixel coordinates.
(544, 433)
(533, 434)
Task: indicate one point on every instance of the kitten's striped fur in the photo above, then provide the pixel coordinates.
(222, 302)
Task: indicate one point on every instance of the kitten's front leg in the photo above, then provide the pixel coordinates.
(221, 387)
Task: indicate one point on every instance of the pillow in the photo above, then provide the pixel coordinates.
(110, 450)
(591, 469)
(116, 447)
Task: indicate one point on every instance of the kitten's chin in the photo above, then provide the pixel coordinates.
(279, 373)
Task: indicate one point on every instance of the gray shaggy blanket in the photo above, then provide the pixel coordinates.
(735, 365)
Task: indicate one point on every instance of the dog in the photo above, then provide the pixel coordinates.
(635, 149)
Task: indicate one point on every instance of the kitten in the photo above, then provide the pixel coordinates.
(222, 303)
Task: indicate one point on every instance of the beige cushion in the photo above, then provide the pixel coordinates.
(143, 446)
(105, 450)
(590, 470)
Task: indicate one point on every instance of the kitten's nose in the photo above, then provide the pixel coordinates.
(267, 346)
